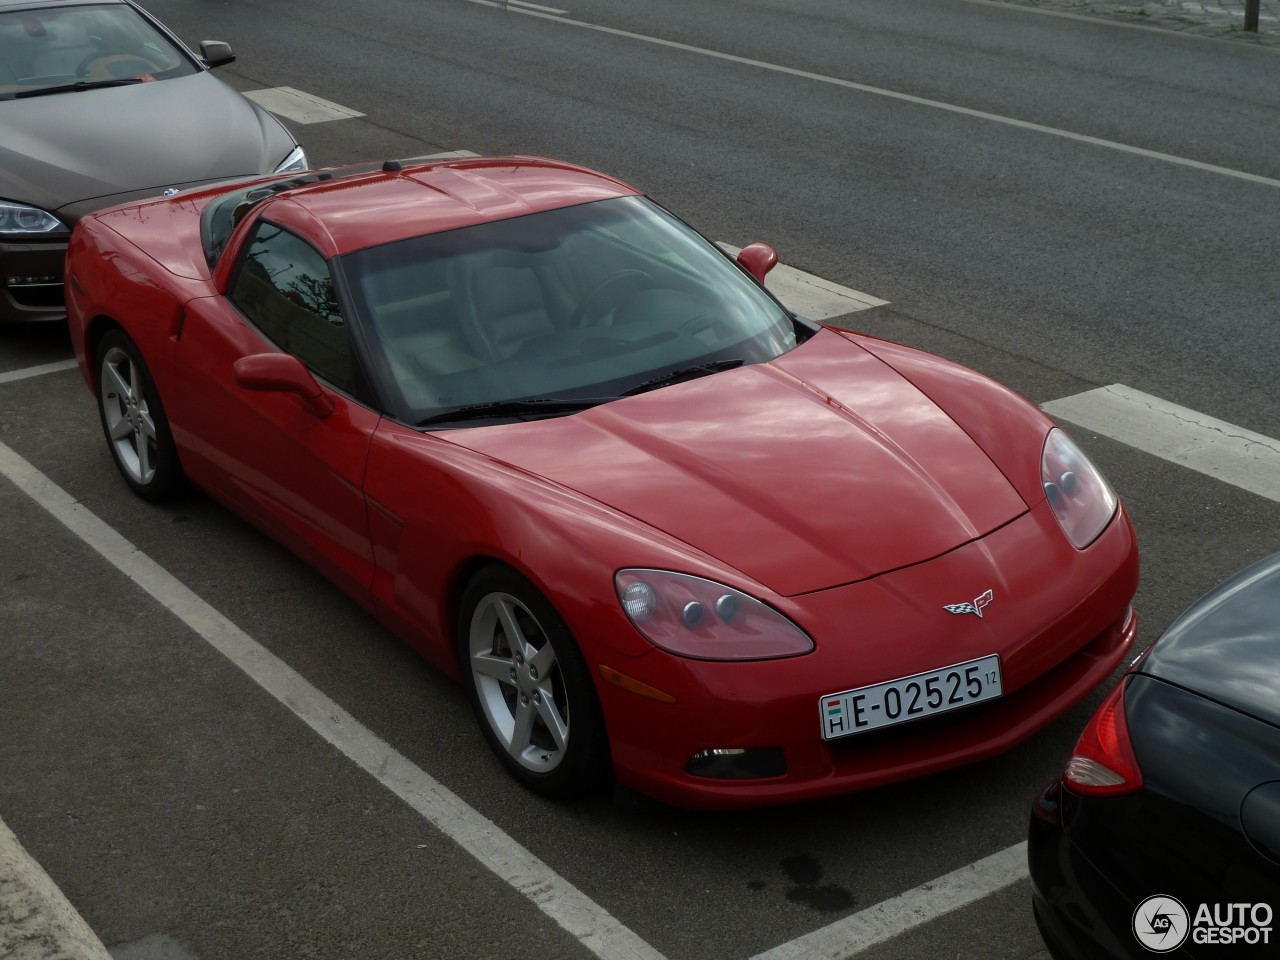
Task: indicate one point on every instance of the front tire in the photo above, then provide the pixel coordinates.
(133, 420)
(530, 688)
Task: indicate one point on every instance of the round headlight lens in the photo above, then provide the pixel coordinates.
(639, 601)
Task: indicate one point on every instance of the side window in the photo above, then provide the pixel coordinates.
(284, 287)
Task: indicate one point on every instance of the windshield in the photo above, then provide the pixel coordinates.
(61, 47)
(590, 301)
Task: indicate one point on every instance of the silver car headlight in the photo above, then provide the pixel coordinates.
(705, 620)
(295, 162)
(17, 220)
(1079, 494)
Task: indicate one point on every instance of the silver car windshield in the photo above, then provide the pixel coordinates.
(585, 302)
(54, 48)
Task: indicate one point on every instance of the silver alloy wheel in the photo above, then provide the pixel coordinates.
(518, 681)
(130, 428)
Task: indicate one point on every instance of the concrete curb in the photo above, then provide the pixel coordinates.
(36, 921)
(1216, 19)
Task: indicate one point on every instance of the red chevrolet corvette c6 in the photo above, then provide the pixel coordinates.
(663, 530)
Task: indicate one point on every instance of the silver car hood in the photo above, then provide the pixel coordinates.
(64, 151)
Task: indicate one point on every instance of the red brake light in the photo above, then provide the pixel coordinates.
(1103, 763)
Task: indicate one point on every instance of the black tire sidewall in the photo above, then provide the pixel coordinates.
(585, 766)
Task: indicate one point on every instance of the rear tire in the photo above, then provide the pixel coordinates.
(530, 688)
(134, 421)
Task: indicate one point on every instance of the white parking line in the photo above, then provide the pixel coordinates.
(445, 155)
(811, 296)
(894, 95)
(534, 6)
(592, 925)
(865, 929)
(1221, 450)
(1247, 460)
(28, 372)
(300, 107)
(588, 922)
(36, 919)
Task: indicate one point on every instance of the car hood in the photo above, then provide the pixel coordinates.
(1226, 645)
(820, 468)
(61, 150)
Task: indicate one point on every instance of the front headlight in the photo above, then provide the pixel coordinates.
(1079, 494)
(705, 620)
(17, 220)
(295, 162)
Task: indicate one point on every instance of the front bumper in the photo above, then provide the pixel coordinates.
(1061, 622)
(31, 281)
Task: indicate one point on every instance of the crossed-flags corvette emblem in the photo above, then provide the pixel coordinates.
(975, 607)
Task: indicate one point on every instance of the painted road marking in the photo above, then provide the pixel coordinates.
(300, 107)
(865, 929)
(534, 6)
(36, 919)
(811, 296)
(44, 368)
(589, 923)
(1247, 460)
(445, 155)
(895, 95)
(479, 836)
(1221, 450)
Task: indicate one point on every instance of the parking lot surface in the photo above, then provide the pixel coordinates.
(179, 795)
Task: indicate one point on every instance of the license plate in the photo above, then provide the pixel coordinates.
(911, 698)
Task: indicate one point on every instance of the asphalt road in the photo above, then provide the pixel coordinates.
(871, 143)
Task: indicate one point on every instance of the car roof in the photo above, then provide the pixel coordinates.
(365, 209)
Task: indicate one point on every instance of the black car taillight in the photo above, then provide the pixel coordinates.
(1103, 763)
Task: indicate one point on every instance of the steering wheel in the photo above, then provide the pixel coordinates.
(97, 66)
(608, 294)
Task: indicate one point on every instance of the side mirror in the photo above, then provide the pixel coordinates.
(215, 53)
(283, 373)
(758, 258)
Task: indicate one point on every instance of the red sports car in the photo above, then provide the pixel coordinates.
(662, 529)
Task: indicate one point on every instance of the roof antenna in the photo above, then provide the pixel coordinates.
(392, 166)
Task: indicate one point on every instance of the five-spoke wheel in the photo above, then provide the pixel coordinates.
(134, 422)
(529, 686)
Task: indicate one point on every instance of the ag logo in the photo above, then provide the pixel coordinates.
(1161, 924)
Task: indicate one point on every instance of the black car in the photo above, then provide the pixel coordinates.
(1162, 835)
(100, 104)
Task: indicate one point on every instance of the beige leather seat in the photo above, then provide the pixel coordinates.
(499, 300)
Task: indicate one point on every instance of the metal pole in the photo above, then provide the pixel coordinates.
(1251, 15)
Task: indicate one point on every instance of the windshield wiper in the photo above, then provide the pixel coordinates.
(683, 373)
(78, 86)
(554, 405)
(514, 408)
